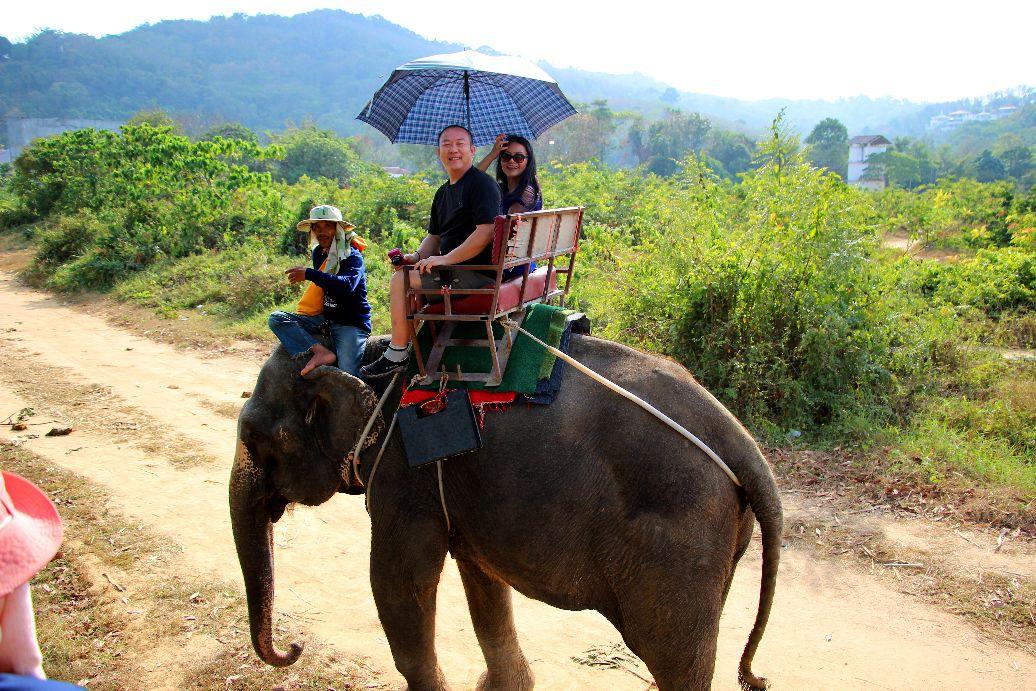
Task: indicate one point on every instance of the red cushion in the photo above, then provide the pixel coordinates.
(481, 304)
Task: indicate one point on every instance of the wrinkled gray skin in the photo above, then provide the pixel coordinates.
(589, 503)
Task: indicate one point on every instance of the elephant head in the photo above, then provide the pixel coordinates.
(294, 434)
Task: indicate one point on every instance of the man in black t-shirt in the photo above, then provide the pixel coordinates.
(460, 232)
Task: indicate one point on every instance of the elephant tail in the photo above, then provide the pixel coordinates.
(764, 498)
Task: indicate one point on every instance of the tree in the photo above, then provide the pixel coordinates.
(731, 150)
(586, 135)
(908, 164)
(231, 130)
(829, 146)
(898, 168)
(662, 143)
(1017, 161)
(156, 117)
(316, 153)
(989, 168)
(928, 169)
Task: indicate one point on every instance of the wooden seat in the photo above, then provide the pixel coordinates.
(548, 238)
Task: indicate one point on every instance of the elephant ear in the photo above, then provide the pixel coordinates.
(349, 405)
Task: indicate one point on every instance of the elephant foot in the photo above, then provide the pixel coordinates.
(434, 682)
(516, 677)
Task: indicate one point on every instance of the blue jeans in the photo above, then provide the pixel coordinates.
(13, 682)
(295, 332)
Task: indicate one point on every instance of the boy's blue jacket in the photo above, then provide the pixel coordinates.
(345, 294)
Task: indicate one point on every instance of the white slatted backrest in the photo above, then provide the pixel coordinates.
(568, 229)
(518, 245)
(544, 234)
(556, 231)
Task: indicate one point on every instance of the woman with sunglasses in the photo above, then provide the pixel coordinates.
(516, 174)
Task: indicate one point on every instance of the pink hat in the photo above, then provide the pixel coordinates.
(30, 531)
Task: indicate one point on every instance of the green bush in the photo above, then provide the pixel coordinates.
(764, 290)
(381, 205)
(160, 195)
(315, 153)
(231, 284)
(993, 281)
(67, 238)
(952, 214)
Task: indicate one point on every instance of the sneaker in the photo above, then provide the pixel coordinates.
(382, 367)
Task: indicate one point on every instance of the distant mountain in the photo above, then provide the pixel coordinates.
(266, 70)
(261, 71)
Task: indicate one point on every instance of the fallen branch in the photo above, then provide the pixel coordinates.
(116, 585)
(902, 565)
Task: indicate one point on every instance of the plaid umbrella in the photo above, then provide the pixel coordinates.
(487, 94)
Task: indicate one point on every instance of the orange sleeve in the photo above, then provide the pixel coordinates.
(312, 302)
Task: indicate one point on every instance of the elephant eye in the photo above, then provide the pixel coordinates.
(312, 412)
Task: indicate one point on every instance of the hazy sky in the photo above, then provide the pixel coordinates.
(914, 49)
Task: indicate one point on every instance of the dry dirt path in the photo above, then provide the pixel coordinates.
(153, 427)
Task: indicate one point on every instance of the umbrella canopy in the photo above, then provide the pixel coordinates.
(487, 94)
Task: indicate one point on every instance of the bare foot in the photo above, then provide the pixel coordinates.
(321, 356)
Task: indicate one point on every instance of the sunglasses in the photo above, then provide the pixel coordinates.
(506, 156)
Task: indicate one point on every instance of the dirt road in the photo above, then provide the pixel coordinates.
(155, 426)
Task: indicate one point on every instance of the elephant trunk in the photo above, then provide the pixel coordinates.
(252, 521)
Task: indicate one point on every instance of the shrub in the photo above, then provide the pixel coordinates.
(231, 284)
(160, 195)
(67, 238)
(315, 153)
(993, 281)
(952, 214)
(703, 286)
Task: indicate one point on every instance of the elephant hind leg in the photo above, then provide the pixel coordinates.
(489, 601)
(675, 630)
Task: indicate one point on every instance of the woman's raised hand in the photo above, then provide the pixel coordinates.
(499, 145)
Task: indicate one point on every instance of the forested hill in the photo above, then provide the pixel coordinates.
(266, 70)
(260, 71)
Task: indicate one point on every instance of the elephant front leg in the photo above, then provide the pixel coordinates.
(406, 562)
(490, 603)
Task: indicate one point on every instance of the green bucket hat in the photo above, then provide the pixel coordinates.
(324, 212)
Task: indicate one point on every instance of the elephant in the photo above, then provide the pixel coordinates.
(588, 503)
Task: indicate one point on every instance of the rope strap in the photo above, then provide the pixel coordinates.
(354, 457)
(377, 460)
(508, 324)
(374, 469)
(442, 496)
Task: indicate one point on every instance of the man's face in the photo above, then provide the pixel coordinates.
(455, 150)
(324, 232)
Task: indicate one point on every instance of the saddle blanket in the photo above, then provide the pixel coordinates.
(529, 362)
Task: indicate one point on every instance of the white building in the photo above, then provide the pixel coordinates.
(860, 148)
(948, 123)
